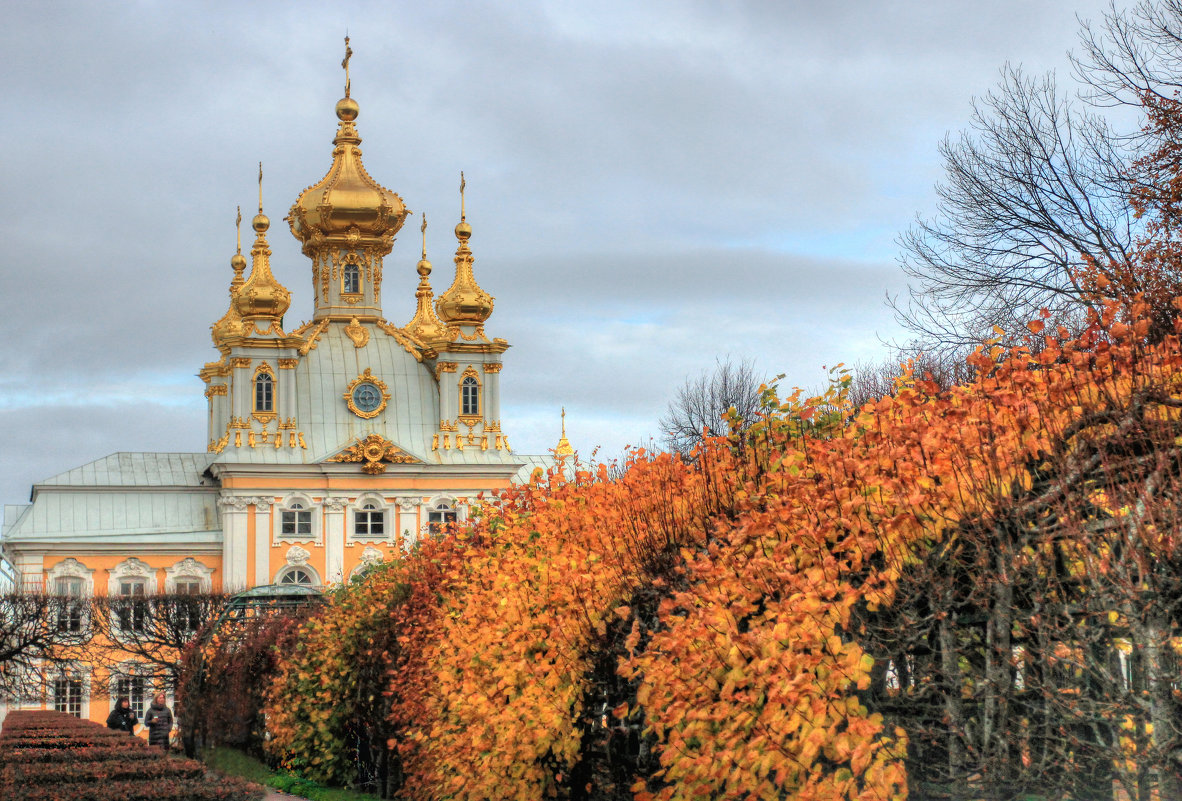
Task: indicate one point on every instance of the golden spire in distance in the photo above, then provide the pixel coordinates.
(425, 326)
(230, 324)
(563, 447)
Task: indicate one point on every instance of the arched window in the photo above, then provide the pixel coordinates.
(264, 392)
(469, 397)
(369, 521)
(352, 277)
(438, 517)
(298, 576)
(296, 521)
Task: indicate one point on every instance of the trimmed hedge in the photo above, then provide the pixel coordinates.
(52, 756)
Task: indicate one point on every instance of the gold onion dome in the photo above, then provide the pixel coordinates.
(262, 296)
(347, 204)
(464, 302)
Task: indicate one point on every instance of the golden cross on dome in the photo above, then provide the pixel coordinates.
(345, 63)
(260, 187)
(463, 184)
(423, 228)
(238, 229)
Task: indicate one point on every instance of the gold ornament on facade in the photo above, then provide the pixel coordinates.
(240, 361)
(375, 450)
(366, 405)
(357, 333)
(311, 337)
(262, 297)
(347, 207)
(493, 367)
(464, 303)
(445, 367)
(408, 343)
(288, 364)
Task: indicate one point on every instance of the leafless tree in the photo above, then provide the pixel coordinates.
(149, 632)
(702, 404)
(35, 629)
(1037, 186)
(871, 381)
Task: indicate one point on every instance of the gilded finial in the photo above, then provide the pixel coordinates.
(345, 64)
(260, 187)
(423, 228)
(260, 223)
(238, 230)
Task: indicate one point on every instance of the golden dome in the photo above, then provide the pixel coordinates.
(262, 296)
(347, 204)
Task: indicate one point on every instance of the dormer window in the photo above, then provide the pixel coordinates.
(469, 397)
(352, 279)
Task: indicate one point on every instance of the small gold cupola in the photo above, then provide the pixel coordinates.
(261, 297)
(230, 324)
(425, 326)
(464, 303)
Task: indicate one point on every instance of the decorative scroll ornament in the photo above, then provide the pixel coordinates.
(358, 333)
(374, 450)
(297, 556)
(366, 395)
(371, 555)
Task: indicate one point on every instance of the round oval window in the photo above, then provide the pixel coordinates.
(367, 397)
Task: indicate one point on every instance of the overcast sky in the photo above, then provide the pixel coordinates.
(651, 187)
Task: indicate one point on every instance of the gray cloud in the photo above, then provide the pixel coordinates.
(652, 186)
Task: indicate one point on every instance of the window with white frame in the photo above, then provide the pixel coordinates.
(67, 695)
(369, 521)
(297, 575)
(132, 607)
(296, 521)
(70, 590)
(135, 688)
(440, 516)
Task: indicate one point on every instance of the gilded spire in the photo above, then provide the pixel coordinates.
(464, 303)
(563, 447)
(262, 296)
(230, 323)
(345, 63)
(425, 326)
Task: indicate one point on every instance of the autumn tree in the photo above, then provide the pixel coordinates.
(34, 629)
(701, 405)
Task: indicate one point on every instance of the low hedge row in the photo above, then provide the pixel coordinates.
(51, 756)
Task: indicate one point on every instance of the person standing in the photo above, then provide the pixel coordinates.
(122, 717)
(158, 719)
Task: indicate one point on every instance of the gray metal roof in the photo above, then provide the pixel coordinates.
(118, 515)
(136, 470)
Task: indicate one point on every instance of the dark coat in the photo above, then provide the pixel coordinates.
(122, 719)
(158, 719)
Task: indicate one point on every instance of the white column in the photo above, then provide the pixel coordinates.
(334, 539)
(407, 520)
(233, 542)
(262, 541)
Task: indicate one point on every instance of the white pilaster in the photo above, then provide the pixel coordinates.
(407, 520)
(262, 540)
(234, 544)
(334, 539)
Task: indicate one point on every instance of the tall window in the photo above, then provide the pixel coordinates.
(352, 279)
(296, 521)
(369, 521)
(469, 396)
(69, 616)
(439, 517)
(132, 611)
(264, 393)
(188, 610)
(67, 695)
(136, 690)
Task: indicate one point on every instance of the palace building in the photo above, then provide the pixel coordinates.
(331, 445)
